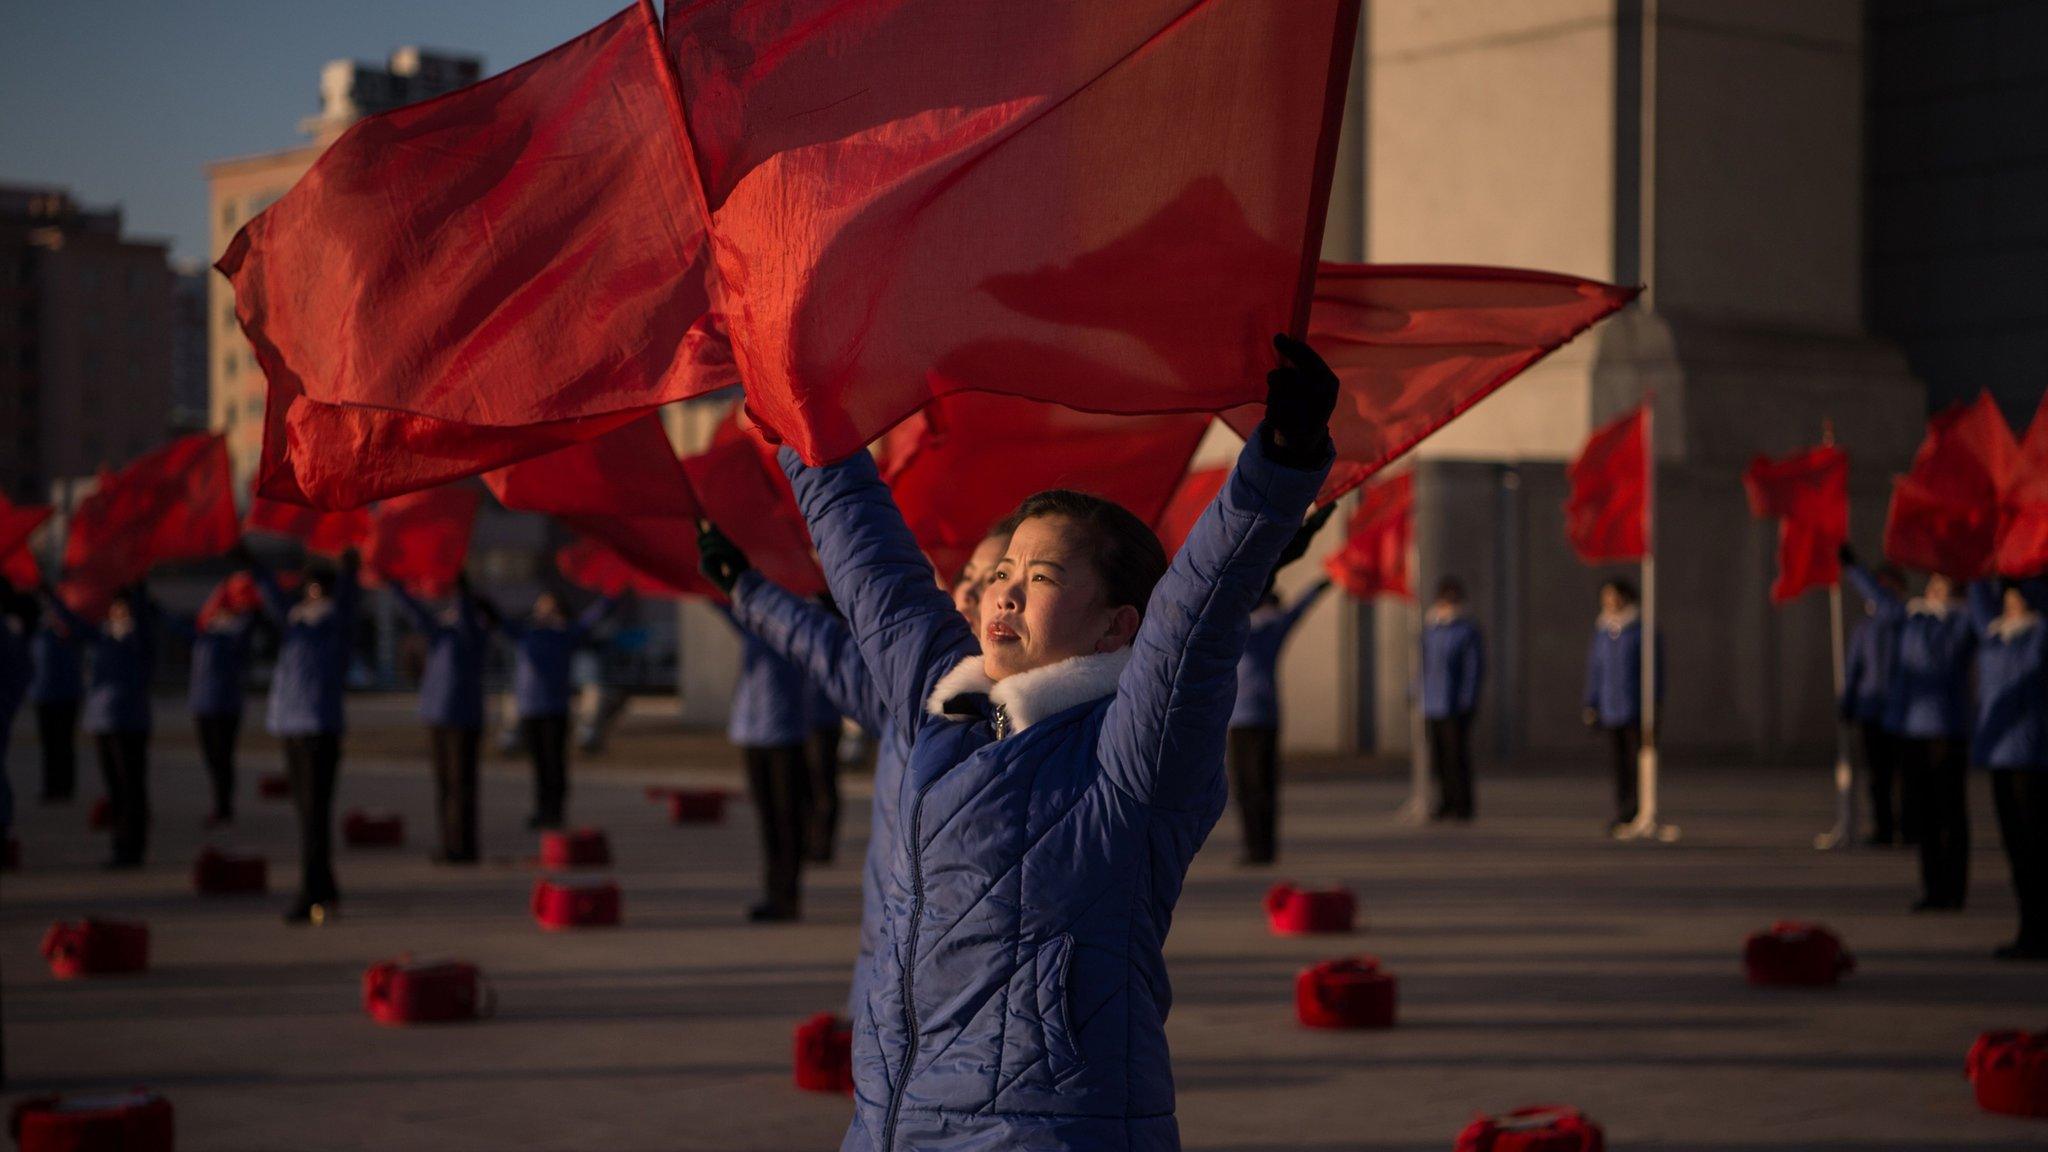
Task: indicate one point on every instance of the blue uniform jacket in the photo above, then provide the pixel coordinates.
(1045, 823)
(117, 687)
(1258, 672)
(59, 676)
(452, 681)
(1614, 673)
(2010, 733)
(220, 657)
(768, 698)
(1453, 666)
(540, 666)
(1867, 668)
(1927, 696)
(312, 655)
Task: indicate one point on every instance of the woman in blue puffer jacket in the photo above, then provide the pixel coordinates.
(117, 712)
(1062, 775)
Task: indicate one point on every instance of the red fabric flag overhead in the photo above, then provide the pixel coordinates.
(17, 523)
(421, 539)
(323, 533)
(741, 488)
(970, 459)
(175, 503)
(1374, 558)
(2023, 513)
(20, 569)
(1808, 494)
(1415, 346)
(1189, 499)
(632, 471)
(590, 563)
(909, 197)
(1944, 514)
(479, 278)
(1606, 515)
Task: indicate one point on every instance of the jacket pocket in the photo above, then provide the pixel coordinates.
(1062, 1047)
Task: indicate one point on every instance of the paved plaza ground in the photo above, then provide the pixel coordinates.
(1538, 961)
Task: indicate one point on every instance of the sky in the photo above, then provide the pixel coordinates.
(124, 102)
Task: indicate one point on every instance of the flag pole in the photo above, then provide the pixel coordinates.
(1646, 826)
(1416, 809)
(1843, 834)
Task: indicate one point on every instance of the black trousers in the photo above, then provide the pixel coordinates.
(1625, 746)
(2022, 798)
(1881, 760)
(547, 741)
(217, 746)
(778, 783)
(1937, 784)
(1450, 759)
(821, 818)
(1254, 758)
(124, 763)
(57, 730)
(455, 775)
(312, 763)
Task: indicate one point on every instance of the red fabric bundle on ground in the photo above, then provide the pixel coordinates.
(96, 948)
(906, 201)
(823, 1054)
(560, 903)
(421, 539)
(400, 992)
(1350, 993)
(691, 805)
(1542, 1128)
(1794, 954)
(217, 873)
(1297, 911)
(479, 278)
(176, 503)
(324, 533)
(1808, 494)
(1606, 515)
(2009, 1072)
(1416, 345)
(1190, 498)
(1944, 512)
(360, 829)
(581, 848)
(1374, 558)
(137, 1121)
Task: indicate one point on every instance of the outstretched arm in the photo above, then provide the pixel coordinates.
(1867, 586)
(816, 641)
(907, 630)
(579, 628)
(1301, 605)
(422, 617)
(273, 597)
(78, 625)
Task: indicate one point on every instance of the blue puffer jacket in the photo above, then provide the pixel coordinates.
(1453, 666)
(819, 710)
(1867, 667)
(312, 655)
(220, 657)
(452, 680)
(1614, 672)
(1020, 994)
(821, 646)
(2011, 693)
(117, 690)
(1258, 672)
(767, 697)
(540, 665)
(1928, 694)
(59, 676)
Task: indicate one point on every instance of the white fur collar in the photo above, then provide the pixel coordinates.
(1441, 614)
(2006, 627)
(1614, 623)
(1922, 606)
(311, 611)
(1029, 697)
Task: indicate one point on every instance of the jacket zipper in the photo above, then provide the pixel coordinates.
(909, 970)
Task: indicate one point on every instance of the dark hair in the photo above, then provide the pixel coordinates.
(1451, 588)
(1127, 554)
(1007, 526)
(1623, 589)
(321, 574)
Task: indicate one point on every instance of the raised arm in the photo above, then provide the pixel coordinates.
(819, 643)
(591, 617)
(907, 630)
(273, 597)
(1301, 605)
(422, 616)
(1869, 587)
(76, 624)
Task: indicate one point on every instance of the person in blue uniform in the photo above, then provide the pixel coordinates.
(1866, 678)
(1253, 745)
(2011, 739)
(543, 644)
(1453, 668)
(452, 706)
(767, 724)
(220, 659)
(56, 687)
(117, 711)
(825, 722)
(1614, 690)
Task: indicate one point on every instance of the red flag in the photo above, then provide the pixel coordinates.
(17, 523)
(909, 198)
(479, 278)
(1374, 558)
(175, 503)
(421, 539)
(2023, 513)
(741, 489)
(238, 593)
(1606, 515)
(592, 564)
(1808, 494)
(1417, 345)
(631, 471)
(1193, 495)
(970, 459)
(324, 533)
(1944, 514)
(20, 569)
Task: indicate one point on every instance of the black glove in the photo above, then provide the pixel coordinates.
(718, 558)
(351, 561)
(1300, 395)
(1847, 555)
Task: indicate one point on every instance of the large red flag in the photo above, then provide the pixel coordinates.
(1193, 495)
(631, 471)
(590, 563)
(1606, 515)
(20, 569)
(2023, 513)
(741, 489)
(17, 523)
(421, 539)
(1944, 514)
(324, 533)
(480, 278)
(1416, 345)
(175, 503)
(1110, 206)
(1808, 494)
(1374, 558)
(970, 459)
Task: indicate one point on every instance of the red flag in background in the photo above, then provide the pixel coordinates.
(323, 533)
(590, 563)
(1415, 346)
(969, 459)
(175, 503)
(2023, 512)
(238, 594)
(1374, 558)
(1944, 514)
(421, 539)
(1606, 514)
(909, 198)
(20, 569)
(1193, 495)
(479, 278)
(741, 488)
(631, 471)
(1808, 494)
(17, 523)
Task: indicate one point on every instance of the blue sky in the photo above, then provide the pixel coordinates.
(125, 102)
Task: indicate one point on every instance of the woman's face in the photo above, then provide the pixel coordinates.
(1044, 601)
(967, 588)
(119, 614)
(314, 592)
(1938, 588)
(546, 607)
(1611, 601)
(2015, 603)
